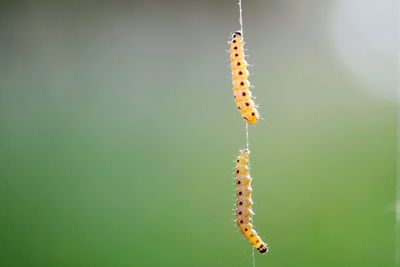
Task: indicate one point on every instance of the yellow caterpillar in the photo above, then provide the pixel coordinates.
(244, 212)
(240, 82)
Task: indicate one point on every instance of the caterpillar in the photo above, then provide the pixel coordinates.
(240, 82)
(244, 213)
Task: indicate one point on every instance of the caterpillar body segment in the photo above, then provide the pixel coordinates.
(240, 82)
(244, 213)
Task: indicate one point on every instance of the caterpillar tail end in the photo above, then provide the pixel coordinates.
(251, 121)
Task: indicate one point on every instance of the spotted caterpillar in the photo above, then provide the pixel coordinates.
(240, 82)
(244, 213)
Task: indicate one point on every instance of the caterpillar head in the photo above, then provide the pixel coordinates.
(262, 249)
(237, 35)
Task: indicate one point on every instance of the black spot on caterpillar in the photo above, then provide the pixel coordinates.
(244, 203)
(241, 85)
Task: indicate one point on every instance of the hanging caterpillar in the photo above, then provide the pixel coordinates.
(244, 213)
(240, 82)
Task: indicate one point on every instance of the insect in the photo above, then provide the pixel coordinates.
(244, 213)
(240, 82)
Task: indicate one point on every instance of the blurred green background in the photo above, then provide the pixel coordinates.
(118, 133)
